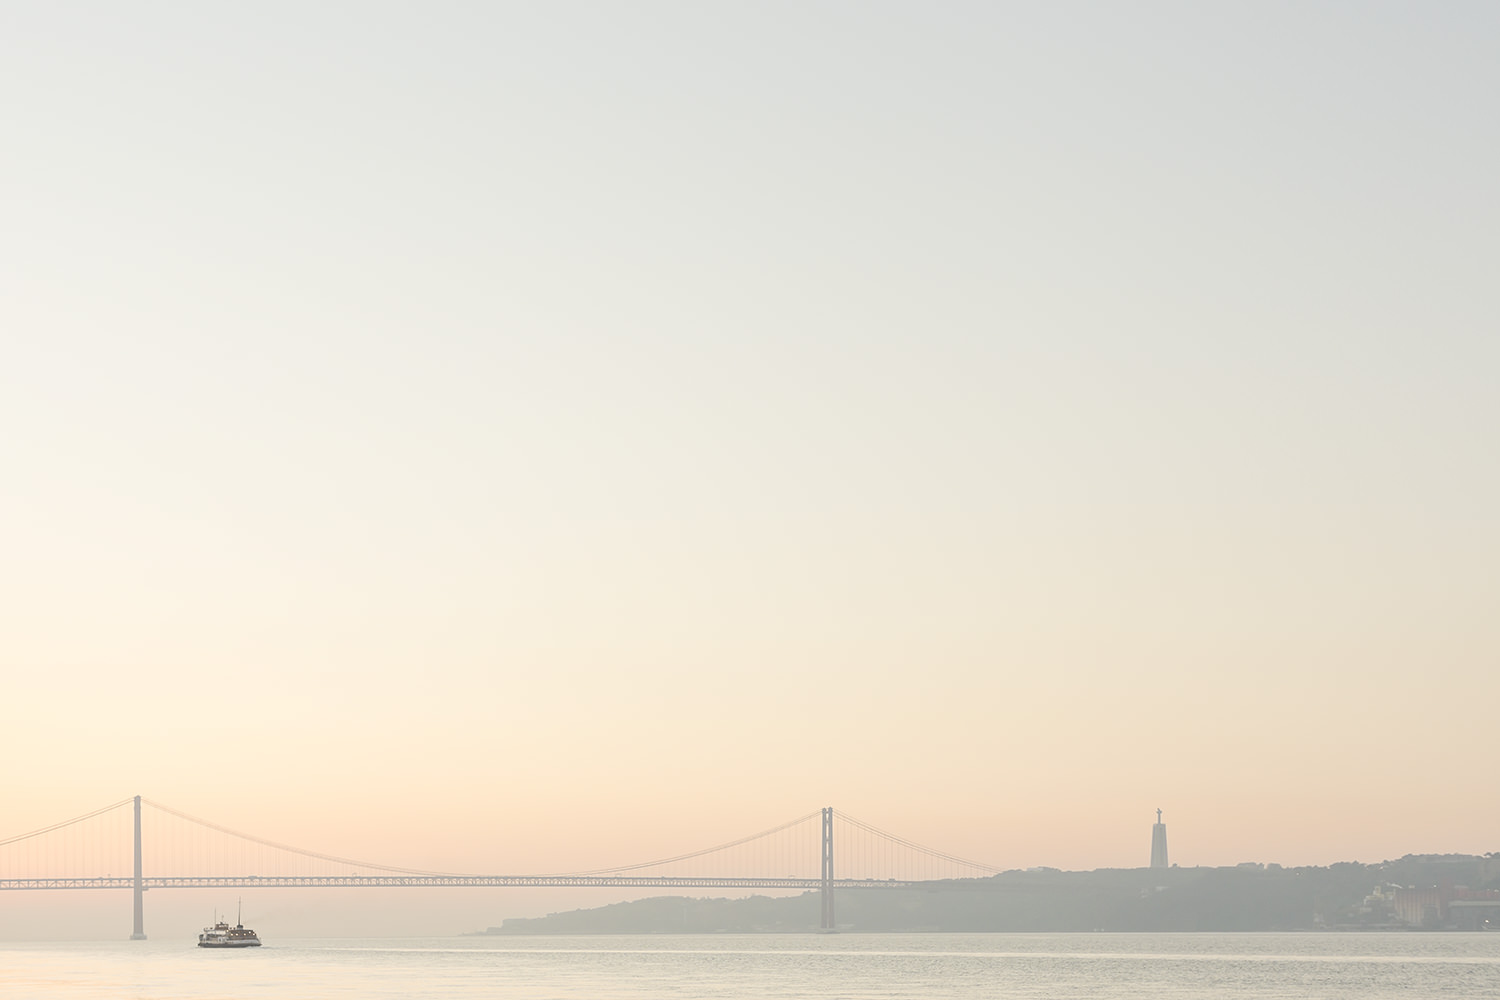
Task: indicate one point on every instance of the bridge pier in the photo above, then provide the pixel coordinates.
(826, 892)
(139, 934)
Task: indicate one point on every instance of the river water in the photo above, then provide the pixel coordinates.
(1055, 966)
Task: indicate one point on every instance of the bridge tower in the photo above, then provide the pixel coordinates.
(139, 934)
(827, 889)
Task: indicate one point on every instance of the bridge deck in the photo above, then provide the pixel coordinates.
(433, 881)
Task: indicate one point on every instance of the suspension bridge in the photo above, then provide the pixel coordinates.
(180, 851)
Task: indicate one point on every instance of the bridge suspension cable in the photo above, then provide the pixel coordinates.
(922, 848)
(335, 859)
(67, 822)
(180, 846)
(698, 854)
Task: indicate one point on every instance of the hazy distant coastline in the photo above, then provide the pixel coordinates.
(1416, 892)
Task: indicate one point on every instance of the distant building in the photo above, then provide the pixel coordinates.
(1448, 906)
(1159, 843)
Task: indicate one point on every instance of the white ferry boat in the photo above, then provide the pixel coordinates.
(221, 935)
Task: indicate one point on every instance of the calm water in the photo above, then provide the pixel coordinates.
(1093, 966)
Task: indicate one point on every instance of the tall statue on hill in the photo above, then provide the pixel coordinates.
(1159, 843)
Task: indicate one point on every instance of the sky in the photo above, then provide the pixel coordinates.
(517, 438)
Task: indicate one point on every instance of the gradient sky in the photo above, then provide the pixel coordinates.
(537, 437)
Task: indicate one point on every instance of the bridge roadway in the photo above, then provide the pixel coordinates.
(429, 881)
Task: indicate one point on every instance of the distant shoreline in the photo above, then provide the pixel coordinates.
(1417, 893)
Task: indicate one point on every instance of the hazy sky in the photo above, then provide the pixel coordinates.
(540, 436)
